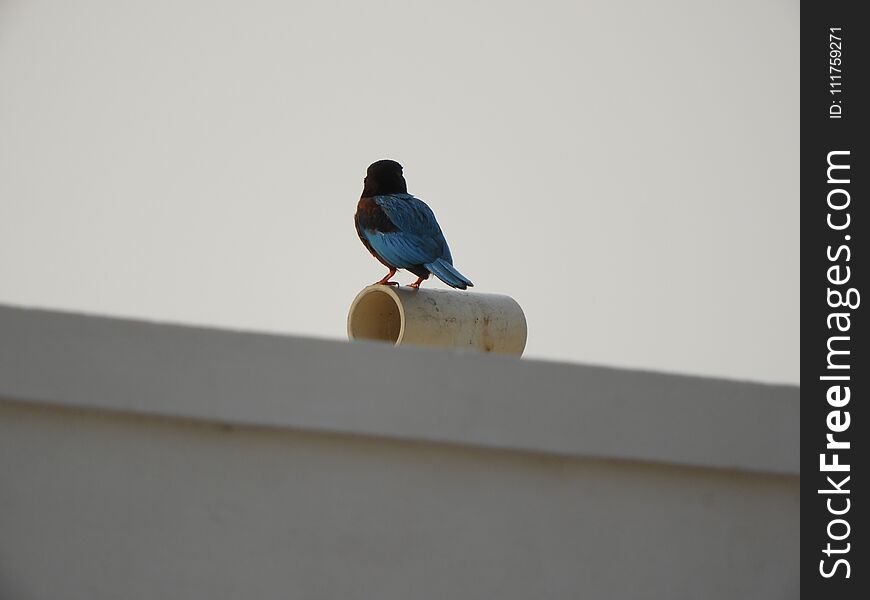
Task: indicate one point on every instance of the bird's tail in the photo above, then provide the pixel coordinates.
(447, 273)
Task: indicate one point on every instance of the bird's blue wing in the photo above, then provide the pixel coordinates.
(409, 214)
(417, 240)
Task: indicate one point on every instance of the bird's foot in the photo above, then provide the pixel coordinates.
(416, 284)
(386, 279)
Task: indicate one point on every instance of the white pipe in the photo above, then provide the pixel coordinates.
(439, 318)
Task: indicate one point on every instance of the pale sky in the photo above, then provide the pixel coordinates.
(626, 170)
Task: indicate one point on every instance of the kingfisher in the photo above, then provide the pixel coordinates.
(401, 231)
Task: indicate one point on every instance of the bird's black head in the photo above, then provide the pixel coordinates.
(384, 177)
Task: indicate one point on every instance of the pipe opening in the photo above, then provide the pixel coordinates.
(376, 316)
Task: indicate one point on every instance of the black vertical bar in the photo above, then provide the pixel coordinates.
(835, 224)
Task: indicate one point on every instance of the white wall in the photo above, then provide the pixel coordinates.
(140, 460)
(97, 506)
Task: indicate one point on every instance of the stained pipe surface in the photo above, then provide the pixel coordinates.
(438, 318)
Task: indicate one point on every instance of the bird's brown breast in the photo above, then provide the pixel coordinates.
(372, 217)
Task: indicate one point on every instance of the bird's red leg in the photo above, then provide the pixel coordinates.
(386, 279)
(416, 284)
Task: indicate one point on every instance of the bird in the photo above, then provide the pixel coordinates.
(401, 231)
